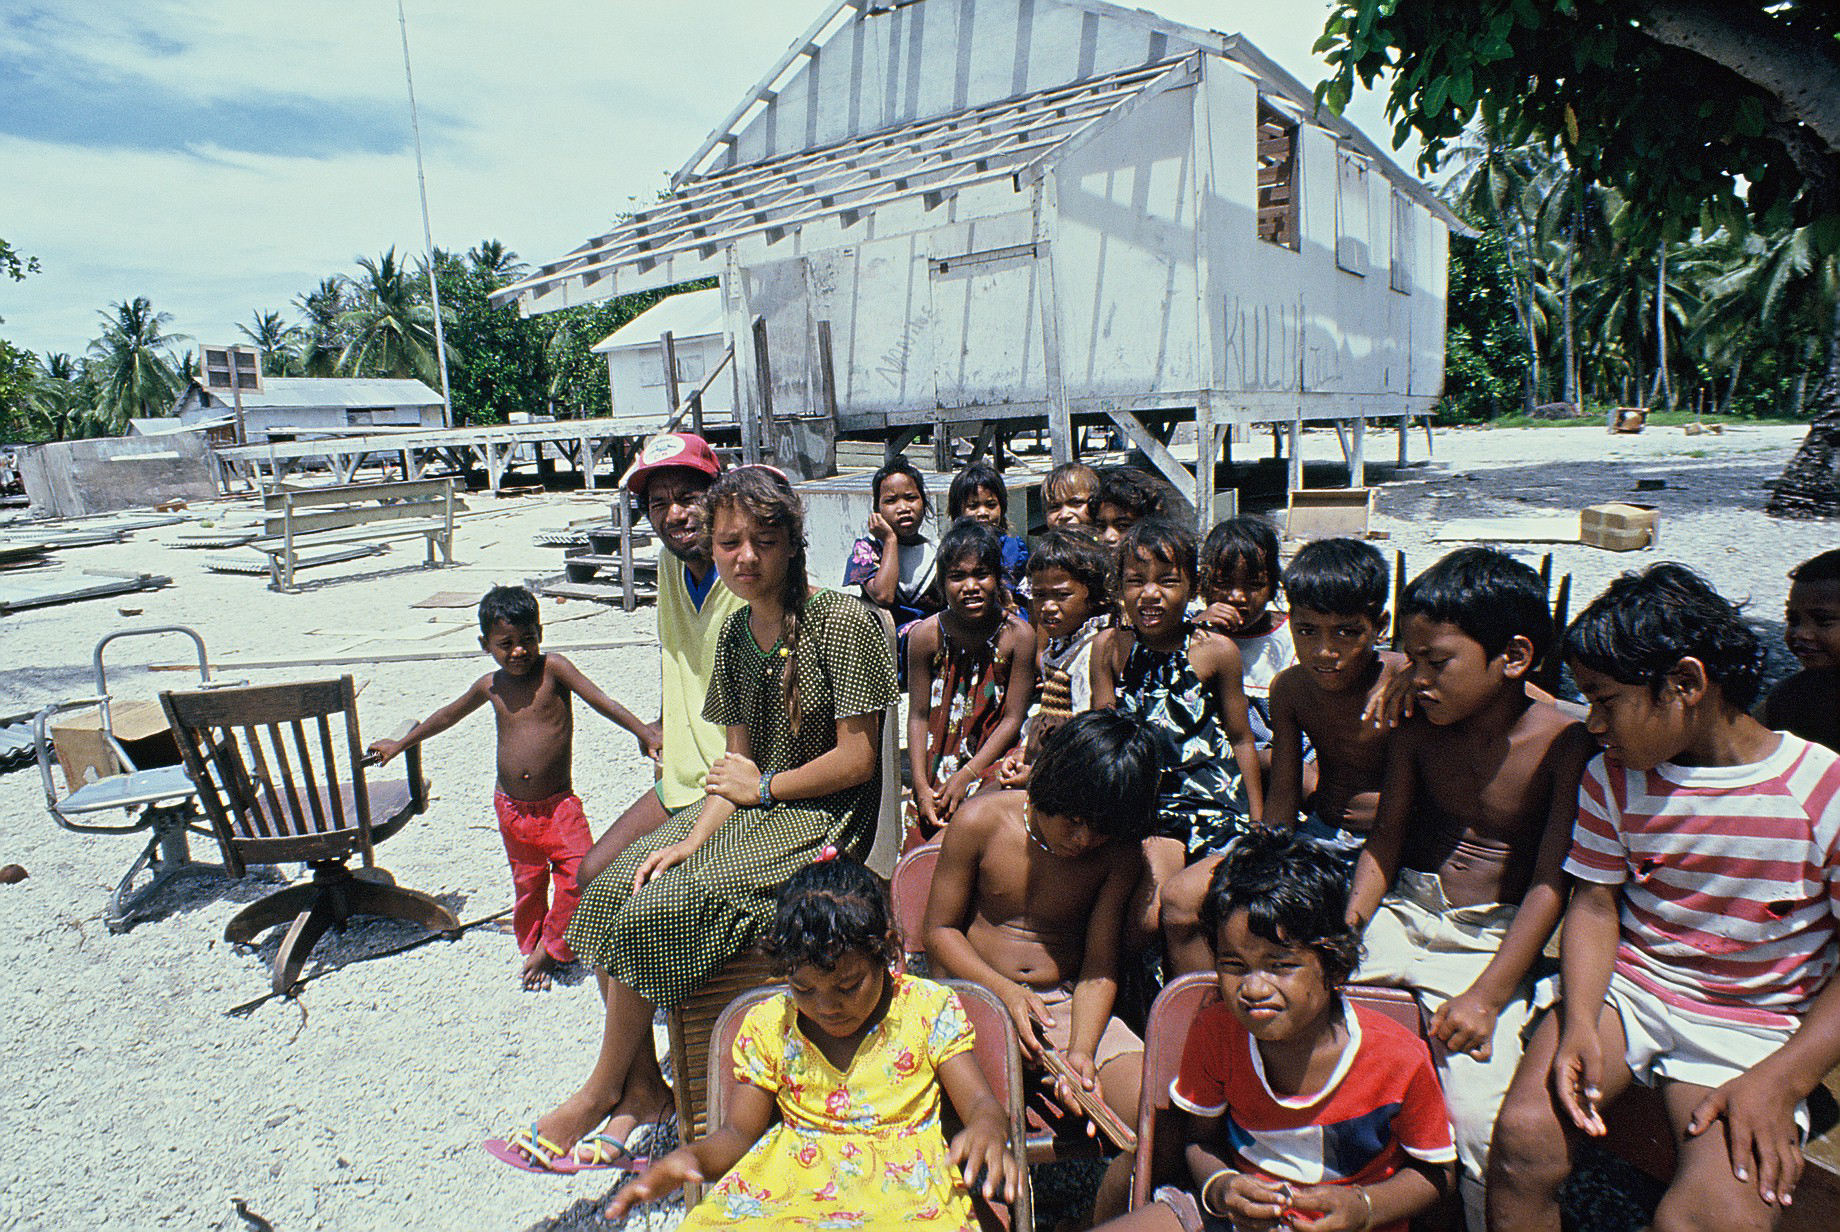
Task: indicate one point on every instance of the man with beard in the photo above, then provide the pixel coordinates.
(668, 479)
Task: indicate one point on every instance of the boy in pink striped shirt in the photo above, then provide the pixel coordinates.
(1700, 944)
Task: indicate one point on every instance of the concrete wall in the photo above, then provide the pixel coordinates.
(68, 479)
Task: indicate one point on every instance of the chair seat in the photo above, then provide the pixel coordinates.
(128, 790)
(388, 799)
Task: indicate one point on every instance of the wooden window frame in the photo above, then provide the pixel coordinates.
(1275, 149)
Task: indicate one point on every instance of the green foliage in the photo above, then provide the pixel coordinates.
(15, 266)
(502, 369)
(389, 325)
(578, 377)
(1485, 360)
(133, 364)
(1691, 142)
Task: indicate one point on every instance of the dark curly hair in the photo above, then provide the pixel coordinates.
(1157, 539)
(1075, 552)
(1486, 593)
(514, 605)
(1247, 539)
(1101, 768)
(827, 909)
(1293, 891)
(1645, 623)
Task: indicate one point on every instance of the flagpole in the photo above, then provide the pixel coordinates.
(421, 180)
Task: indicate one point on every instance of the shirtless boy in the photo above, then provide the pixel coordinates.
(1336, 590)
(539, 815)
(1029, 897)
(1807, 704)
(1461, 882)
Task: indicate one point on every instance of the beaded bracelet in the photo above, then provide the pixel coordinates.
(766, 791)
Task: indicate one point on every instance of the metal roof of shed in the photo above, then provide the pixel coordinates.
(312, 391)
(688, 314)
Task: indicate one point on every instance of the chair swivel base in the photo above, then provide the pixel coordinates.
(335, 894)
(166, 857)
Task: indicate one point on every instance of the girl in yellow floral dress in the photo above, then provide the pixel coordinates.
(852, 1059)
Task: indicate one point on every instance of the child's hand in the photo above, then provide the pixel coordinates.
(1252, 1203)
(651, 741)
(953, 793)
(384, 750)
(1081, 1063)
(1030, 1015)
(1391, 704)
(1577, 1077)
(1759, 1114)
(1219, 618)
(667, 1176)
(735, 779)
(880, 529)
(983, 1147)
(1013, 770)
(660, 860)
(924, 805)
(1330, 1208)
(1466, 1023)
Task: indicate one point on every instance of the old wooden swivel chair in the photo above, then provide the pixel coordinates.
(243, 748)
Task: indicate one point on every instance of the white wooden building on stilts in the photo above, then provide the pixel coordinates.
(963, 216)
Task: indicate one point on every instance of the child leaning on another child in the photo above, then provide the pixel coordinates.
(970, 674)
(539, 816)
(1304, 1109)
(1337, 592)
(1460, 884)
(1070, 602)
(851, 1059)
(1699, 948)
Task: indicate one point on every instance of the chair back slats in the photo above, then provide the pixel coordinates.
(332, 765)
(265, 779)
(258, 790)
(296, 818)
(1165, 1035)
(308, 778)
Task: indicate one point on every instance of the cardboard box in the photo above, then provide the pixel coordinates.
(1619, 527)
(84, 752)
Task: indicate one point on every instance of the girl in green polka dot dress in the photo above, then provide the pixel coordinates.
(802, 678)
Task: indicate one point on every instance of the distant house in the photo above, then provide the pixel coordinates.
(635, 356)
(296, 405)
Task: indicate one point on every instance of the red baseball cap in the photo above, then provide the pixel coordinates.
(669, 449)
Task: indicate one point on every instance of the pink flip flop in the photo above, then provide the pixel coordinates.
(529, 1151)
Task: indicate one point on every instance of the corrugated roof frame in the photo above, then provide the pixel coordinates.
(931, 159)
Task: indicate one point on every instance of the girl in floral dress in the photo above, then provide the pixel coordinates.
(852, 1059)
(970, 678)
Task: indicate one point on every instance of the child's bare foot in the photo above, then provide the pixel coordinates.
(640, 1105)
(537, 966)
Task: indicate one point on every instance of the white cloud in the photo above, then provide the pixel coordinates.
(540, 123)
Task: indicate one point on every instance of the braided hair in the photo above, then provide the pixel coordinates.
(763, 495)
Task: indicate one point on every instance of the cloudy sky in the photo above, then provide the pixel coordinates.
(222, 156)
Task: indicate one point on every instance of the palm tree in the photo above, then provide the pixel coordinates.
(496, 264)
(137, 374)
(59, 405)
(322, 339)
(391, 333)
(278, 341)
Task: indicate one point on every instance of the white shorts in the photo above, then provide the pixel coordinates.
(1666, 1041)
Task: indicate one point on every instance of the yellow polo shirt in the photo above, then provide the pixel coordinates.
(688, 638)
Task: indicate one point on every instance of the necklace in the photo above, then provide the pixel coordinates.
(1028, 824)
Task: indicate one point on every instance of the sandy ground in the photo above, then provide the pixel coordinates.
(136, 1098)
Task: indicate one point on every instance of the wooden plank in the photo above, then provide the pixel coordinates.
(400, 489)
(360, 515)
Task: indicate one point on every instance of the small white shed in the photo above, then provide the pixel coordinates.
(635, 356)
(293, 405)
(947, 214)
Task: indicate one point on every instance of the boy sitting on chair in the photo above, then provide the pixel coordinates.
(1336, 591)
(1699, 948)
(1029, 900)
(1460, 883)
(539, 816)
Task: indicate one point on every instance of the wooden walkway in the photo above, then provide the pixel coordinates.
(586, 444)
